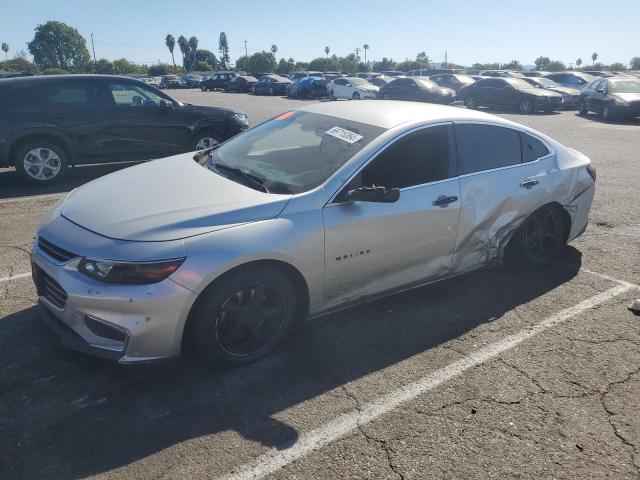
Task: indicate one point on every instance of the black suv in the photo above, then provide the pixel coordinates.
(50, 122)
(218, 80)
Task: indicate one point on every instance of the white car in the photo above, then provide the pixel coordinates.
(352, 88)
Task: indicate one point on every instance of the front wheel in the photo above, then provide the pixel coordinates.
(332, 96)
(355, 96)
(204, 140)
(471, 102)
(203, 88)
(244, 317)
(309, 95)
(271, 92)
(41, 162)
(582, 108)
(526, 106)
(606, 113)
(540, 238)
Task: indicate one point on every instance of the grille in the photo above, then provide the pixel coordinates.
(48, 288)
(54, 251)
(555, 99)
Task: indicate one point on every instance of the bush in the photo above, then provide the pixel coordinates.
(164, 69)
(54, 71)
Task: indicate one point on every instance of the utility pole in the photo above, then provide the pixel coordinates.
(246, 53)
(94, 50)
(358, 52)
(446, 60)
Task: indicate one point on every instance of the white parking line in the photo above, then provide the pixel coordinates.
(273, 460)
(14, 277)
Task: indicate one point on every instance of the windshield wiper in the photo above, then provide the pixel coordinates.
(256, 181)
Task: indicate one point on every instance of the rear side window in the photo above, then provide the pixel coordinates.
(421, 157)
(21, 99)
(485, 147)
(68, 93)
(532, 148)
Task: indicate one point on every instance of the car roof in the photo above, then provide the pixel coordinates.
(46, 78)
(389, 114)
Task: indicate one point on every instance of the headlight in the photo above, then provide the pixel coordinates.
(621, 102)
(129, 272)
(241, 118)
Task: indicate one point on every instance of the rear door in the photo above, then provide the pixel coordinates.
(374, 247)
(502, 180)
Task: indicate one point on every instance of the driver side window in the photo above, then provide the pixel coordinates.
(128, 94)
(420, 157)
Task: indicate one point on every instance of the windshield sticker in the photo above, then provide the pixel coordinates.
(344, 134)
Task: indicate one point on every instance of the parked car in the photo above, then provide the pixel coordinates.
(192, 81)
(611, 97)
(296, 75)
(217, 81)
(511, 93)
(433, 71)
(418, 89)
(598, 73)
(392, 73)
(381, 80)
(570, 96)
(308, 87)
(349, 202)
(15, 74)
(172, 81)
(150, 81)
(535, 73)
(571, 79)
(501, 73)
(241, 83)
(454, 81)
(352, 88)
(271, 85)
(48, 123)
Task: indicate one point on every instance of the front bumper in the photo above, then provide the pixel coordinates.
(126, 323)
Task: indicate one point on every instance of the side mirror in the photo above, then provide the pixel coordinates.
(600, 90)
(166, 104)
(376, 193)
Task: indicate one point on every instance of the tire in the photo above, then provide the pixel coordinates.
(606, 113)
(539, 240)
(355, 96)
(309, 95)
(204, 139)
(471, 102)
(582, 108)
(41, 162)
(271, 92)
(203, 88)
(526, 106)
(230, 324)
(332, 96)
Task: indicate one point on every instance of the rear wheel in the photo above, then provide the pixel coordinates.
(540, 238)
(582, 108)
(606, 113)
(203, 88)
(41, 162)
(332, 95)
(309, 95)
(271, 92)
(355, 96)
(204, 140)
(471, 102)
(244, 317)
(526, 106)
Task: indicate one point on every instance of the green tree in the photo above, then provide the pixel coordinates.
(193, 48)
(594, 57)
(122, 66)
(513, 65)
(19, 64)
(326, 51)
(262, 62)
(57, 45)
(5, 49)
(542, 63)
(635, 63)
(299, 66)
(556, 66)
(223, 47)
(284, 67)
(617, 67)
(164, 69)
(208, 57)
(54, 71)
(242, 64)
(274, 49)
(578, 62)
(104, 67)
(170, 42)
(365, 47)
(183, 44)
(422, 57)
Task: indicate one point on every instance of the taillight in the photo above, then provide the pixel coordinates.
(591, 170)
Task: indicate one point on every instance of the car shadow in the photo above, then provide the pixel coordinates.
(66, 415)
(14, 186)
(594, 117)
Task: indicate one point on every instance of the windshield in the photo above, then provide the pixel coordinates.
(517, 83)
(295, 151)
(625, 86)
(426, 83)
(546, 82)
(358, 82)
(464, 79)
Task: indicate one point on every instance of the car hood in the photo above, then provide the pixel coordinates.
(565, 90)
(215, 111)
(368, 88)
(542, 92)
(167, 199)
(627, 97)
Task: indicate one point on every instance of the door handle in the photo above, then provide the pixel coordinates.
(529, 183)
(444, 200)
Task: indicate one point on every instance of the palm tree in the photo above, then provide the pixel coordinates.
(594, 57)
(578, 62)
(170, 42)
(365, 47)
(193, 48)
(5, 49)
(183, 43)
(326, 51)
(274, 49)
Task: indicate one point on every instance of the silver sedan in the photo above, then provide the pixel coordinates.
(314, 210)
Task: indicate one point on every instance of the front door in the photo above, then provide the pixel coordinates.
(374, 247)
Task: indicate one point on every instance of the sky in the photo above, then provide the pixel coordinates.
(469, 31)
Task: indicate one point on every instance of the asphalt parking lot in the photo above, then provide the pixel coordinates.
(499, 374)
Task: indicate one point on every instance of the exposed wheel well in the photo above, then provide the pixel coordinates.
(39, 136)
(299, 283)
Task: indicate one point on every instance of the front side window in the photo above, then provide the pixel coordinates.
(129, 94)
(420, 157)
(485, 147)
(295, 151)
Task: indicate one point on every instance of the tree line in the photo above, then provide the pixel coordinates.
(59, 48)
